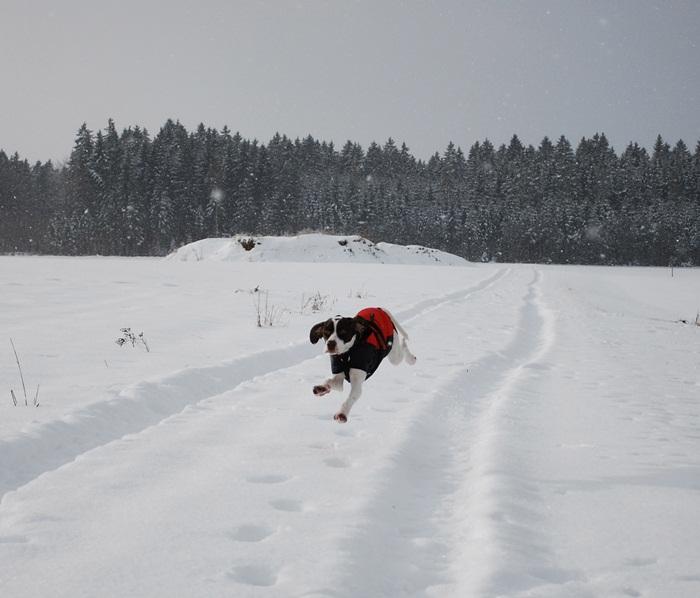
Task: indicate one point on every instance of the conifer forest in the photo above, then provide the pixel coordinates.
(128, 193)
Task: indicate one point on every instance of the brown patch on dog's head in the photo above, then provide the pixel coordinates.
(322, 329)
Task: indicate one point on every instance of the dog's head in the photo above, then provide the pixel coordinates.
(339, 333)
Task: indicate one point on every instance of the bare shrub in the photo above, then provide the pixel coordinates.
(247, 244)
(35, 403)
(360, 293)
(268, 315)
(129, 337)
(316, 303)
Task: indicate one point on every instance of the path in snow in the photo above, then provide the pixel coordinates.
(450, 451)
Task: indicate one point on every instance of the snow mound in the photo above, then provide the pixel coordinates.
(312, 248)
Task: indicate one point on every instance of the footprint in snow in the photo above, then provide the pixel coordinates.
(270, 478)
(250, 533)
(254, 575)
(320, 446)
(640, 562)
(337, 462)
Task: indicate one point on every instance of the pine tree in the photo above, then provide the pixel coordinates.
(75, 228)
(172, 213)
(17, 204)
(46, 181)
(134, 182)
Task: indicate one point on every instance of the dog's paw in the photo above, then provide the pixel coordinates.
(321, 389)
(341, 418)
(410, 359)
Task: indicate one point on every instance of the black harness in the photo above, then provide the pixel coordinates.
(373, 327)
(362, 355)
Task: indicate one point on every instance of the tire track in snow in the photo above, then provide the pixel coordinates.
(47, 446)
(504, 528)
(419, 540)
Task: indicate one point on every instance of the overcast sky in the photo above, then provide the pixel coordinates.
(421, 72)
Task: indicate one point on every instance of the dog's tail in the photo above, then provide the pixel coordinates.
(398, 326)
(407, 355)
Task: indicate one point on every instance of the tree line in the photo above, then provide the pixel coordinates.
(125, 193)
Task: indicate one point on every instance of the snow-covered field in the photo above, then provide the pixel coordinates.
(546, 444)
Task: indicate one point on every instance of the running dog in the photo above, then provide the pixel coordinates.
(357, 346)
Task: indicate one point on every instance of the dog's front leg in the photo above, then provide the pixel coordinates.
(334, 383)
(357, 377)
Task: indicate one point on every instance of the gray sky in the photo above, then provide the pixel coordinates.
(420, 72)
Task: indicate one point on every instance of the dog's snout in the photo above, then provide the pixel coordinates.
(331, 345)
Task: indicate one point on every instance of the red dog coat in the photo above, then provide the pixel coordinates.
(376, 316)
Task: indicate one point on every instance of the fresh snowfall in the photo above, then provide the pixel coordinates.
(159, 436)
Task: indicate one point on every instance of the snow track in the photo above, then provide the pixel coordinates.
(454, 447)
(45, 447)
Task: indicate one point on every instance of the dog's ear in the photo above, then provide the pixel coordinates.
(318, 329)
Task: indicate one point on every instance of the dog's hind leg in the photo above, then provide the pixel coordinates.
(400, 352)
(396, 355)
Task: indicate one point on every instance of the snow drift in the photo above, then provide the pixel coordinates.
(313, 247)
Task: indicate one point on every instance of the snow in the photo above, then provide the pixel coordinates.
(313, 247)
(546, 444)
